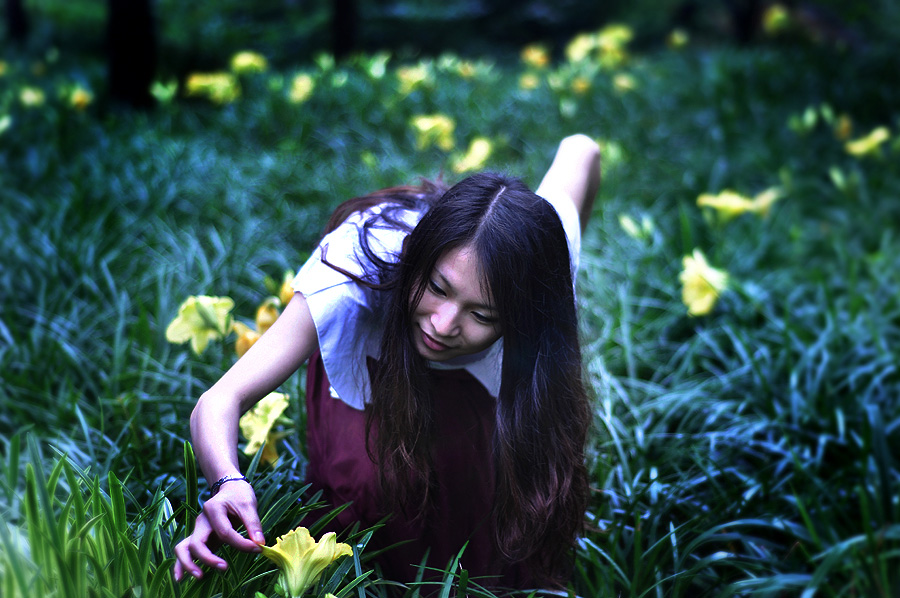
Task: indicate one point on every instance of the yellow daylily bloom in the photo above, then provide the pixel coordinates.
(529, 81)
(302, 560)
(843, 128)
(776, 19)
(870, 144)
(535, 56)
(287, 290)
(677, 39)
(80, 98)
(479, 151)
(32, 97)
(580, 47)
(201, 319)
(221, 88)
(728, 204)
(267, 313)
(301, 88)
(436, 129)
(701, 284)
(466, 69)
(246, 336)
(612, 40)
(256, 425)
(762, 203)
(411, 77)
(580, 85)
(624, 82)
(248, 62)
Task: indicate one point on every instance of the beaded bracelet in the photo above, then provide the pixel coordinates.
(215, 487)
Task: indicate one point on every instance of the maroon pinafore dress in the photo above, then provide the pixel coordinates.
(340, 467)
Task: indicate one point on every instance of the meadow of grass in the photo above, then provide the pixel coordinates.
(750, 451)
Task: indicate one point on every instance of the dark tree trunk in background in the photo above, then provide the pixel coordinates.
(131, 45)
(746, 16)
(16, 21)
(344, 26)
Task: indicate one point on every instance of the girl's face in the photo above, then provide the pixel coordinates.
(455, 317)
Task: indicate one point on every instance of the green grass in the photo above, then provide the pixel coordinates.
(748, 452)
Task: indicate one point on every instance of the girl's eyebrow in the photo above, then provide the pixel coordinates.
(449, 287)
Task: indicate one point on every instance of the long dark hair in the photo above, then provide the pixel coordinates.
(542, 413)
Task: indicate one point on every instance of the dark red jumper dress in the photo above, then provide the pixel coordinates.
(340, 466)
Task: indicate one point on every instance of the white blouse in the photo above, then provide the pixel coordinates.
(349, 317)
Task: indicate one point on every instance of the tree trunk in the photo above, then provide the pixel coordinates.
(131, 46)
(16, 21)
(344, 26)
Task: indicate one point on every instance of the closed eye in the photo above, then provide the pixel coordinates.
(434, 288)
(483, 318)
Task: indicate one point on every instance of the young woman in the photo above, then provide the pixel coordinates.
(444, 382)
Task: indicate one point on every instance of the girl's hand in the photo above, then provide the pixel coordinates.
(234, 504)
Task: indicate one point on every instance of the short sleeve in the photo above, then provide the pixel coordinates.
(347, 315)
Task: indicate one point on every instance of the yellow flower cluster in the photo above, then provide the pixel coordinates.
(248, 62)
(608, 46)
(475, 158)
(302, 86)
(220, 88)
(411, 78)
(434, 129)
(302, 560)
(868, 145)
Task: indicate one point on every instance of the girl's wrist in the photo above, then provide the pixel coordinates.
(217, 485)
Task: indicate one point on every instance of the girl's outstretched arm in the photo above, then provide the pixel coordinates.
(214, 432)
(575, 172)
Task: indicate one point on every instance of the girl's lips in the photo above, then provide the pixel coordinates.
(433, 344)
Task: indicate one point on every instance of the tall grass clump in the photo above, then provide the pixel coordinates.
(747, 448)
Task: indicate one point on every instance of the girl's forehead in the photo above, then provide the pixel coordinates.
(461, 268)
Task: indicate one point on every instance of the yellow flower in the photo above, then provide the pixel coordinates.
(580, 85)
(776, 19)
(677, 39)
(580, 47)
(301, 88)
(4, 67)
(201, 319)
(640, 232)
(287, 290)
(32, 97)
(529, 81)
(256, 426)
(535, 56)
(434, 129)
(870, 144)
(246, 337)
(221, 88)
(612, 40)
(80, 98)
(479, 151)
(412, 77)
(466, 69)
(701, 284)
(266, 314)
(762, 203)
(843, 128)
(302, 560)
(728, 204)
(624, 82)
(248, 62)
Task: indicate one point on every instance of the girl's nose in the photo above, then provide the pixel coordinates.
(443, 319)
